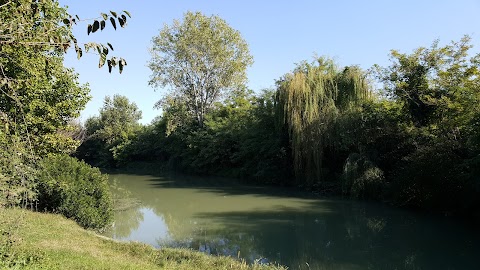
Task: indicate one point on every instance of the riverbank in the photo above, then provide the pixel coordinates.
(32, 240)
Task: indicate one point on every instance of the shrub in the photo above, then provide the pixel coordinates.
(17, 172)
(435, 177)
(361, 178)
(76, 190)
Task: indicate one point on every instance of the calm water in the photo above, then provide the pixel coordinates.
(292, 228)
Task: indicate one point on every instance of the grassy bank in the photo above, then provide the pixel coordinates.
(32, 240)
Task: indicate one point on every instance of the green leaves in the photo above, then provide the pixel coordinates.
(114, 128)
(216, 57)
(122, 22)
(103, 51)
(79, 52)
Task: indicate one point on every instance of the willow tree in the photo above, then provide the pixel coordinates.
(311, 98)
(199, 57)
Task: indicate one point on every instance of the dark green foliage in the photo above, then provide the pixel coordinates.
(432, 177)
(75, 190)
(240, 138)
(438, 91)
(109, 134)
(361, 178)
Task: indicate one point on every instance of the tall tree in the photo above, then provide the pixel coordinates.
(111, 131)
(199, 57)
(38, 95)
(438, 89)
(310, 100)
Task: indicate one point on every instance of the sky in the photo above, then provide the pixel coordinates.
(279, 33)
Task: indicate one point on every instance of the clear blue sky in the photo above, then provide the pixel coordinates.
(279, 33)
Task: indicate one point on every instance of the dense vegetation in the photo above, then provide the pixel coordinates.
(39, 101)
(413, 142)
(75, 190)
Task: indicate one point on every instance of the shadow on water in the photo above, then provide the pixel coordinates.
(351, 237)
(214, 184)
(218, 216)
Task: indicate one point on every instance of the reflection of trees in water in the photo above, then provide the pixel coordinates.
(241, 246)
(316, 234)
(130, 221)
(127, 211)
(354, 236)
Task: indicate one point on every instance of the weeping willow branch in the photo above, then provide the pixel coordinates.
(311, 98)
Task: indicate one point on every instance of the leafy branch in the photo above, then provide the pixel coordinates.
(23, 18)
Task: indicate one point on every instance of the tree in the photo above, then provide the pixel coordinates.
(309, 100)
(111, 131)
(438, 89)
(38, 95)
(199, 57)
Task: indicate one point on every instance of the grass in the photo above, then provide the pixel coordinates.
(31, 240)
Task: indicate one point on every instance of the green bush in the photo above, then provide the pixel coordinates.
(361, 178)
(436, 177)
(76, 190)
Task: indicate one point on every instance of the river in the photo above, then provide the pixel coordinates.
(293, 228)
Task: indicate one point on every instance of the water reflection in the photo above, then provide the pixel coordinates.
(301, 232)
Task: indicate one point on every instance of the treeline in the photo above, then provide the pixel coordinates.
(241, 137)
(414, 141)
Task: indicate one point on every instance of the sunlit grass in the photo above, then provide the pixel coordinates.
(48, 241)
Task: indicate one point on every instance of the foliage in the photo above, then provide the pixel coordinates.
(438, 89)
(199, 57)
(240, 138)
(310, 100)
(46, 26)
(75, 190)
(39, 95)
(361, 178)
(110, 132)
(415, 143)
(39, 100)
(18, 172)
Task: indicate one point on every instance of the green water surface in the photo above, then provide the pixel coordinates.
(293, 228)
